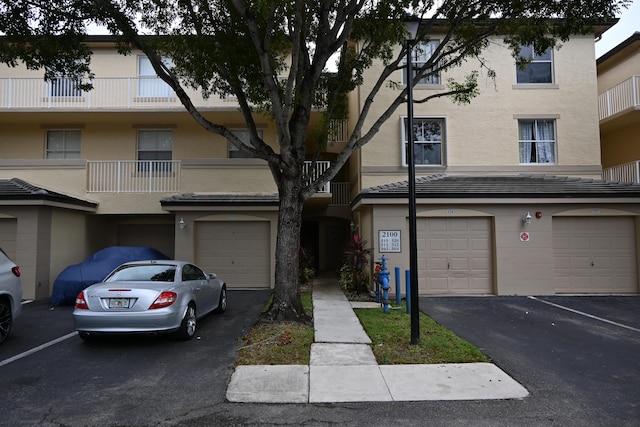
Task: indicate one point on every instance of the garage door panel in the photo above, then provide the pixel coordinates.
(436, 244)
(459, 244)
(595, 255)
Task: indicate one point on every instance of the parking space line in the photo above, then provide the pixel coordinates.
(36, 349)
(586, 314)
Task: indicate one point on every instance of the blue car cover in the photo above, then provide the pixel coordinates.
(95, 268)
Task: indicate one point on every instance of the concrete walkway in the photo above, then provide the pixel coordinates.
(343, 368)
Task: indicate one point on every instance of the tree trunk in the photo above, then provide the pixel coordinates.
(286, 304)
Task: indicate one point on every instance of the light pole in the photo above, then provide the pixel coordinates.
(412, 25)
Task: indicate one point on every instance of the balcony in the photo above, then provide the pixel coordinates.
(628, 172)
(165, 176)
(114, 93)
(623, 97)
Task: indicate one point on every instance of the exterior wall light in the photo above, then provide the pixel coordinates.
(182, 224)
(527, 218)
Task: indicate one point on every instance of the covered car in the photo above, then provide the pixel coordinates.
(149, 297)
(95, 268)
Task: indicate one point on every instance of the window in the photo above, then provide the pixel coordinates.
(428, 137)
(420, 55)
(63, 87)
(63, 144)
(244, 136)
(539, 70)
(537, 141)
(155, 150)
(149, 84)
(191, 272)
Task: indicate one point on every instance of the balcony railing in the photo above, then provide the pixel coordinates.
(131, 176)
(313, 173)
(623, 96)
(157, 176)
(107, 93)
(628, 172)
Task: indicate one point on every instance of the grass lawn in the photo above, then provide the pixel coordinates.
(290, 343)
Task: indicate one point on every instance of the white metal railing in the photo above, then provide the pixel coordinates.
(133, 176)
(338, 131)
(622, 96)
(628, 172)
(312, 174)
(112, 92)
(107, 93)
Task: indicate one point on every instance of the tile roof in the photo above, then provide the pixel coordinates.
(19, 190)
(514, 186)
(220, 199)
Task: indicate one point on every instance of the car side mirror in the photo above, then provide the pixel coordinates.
(212, 275)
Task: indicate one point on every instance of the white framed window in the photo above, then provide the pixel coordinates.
(537, 141)
(62, 144)
(245, 137)
(149, 84)
(155, 149)
(539, 70)
(420, 54)
(428, 141)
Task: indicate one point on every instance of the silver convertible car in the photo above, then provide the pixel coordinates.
(149, 297)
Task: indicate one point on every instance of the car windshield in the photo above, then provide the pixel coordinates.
(143, 273)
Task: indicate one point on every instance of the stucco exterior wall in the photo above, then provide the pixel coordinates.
(483, 136)
(520, 267)
(619, 68)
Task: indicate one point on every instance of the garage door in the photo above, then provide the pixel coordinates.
(239, 252)
(458, 256)
(8, 231)
(595, 255)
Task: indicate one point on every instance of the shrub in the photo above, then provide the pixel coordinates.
(353, 276)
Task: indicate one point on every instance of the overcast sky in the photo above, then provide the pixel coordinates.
(629, 23)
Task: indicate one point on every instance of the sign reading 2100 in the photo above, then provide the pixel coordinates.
(389, 241)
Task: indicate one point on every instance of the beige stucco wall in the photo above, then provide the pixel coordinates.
(520, 268)
(619, 67)
(483, 136)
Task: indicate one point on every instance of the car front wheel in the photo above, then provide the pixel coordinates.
(6, 319)
(222, 303)
(188, 326)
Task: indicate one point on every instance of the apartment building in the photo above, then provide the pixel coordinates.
(509, 189)
(124, 164)
(510, 196)
(619, 104)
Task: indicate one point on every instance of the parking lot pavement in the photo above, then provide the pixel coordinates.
(586, 348)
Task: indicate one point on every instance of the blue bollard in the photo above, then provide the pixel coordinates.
(398, 293)
(376, 276)
(407, 278)
(384, 280)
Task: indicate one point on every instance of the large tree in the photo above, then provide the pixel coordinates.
(272, 56)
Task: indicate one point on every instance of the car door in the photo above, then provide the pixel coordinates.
(204, 294)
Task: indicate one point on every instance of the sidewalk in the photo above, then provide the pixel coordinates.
(343, 368)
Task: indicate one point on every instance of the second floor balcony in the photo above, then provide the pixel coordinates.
(621, 98)
(165, 176)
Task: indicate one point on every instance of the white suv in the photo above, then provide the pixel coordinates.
(10, 294)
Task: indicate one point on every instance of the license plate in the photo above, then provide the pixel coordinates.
(119, 302)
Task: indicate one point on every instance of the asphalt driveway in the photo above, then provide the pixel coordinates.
(580, 349)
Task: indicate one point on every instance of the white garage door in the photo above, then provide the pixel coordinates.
(595, 255)
(458, 256)
(239, 252)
